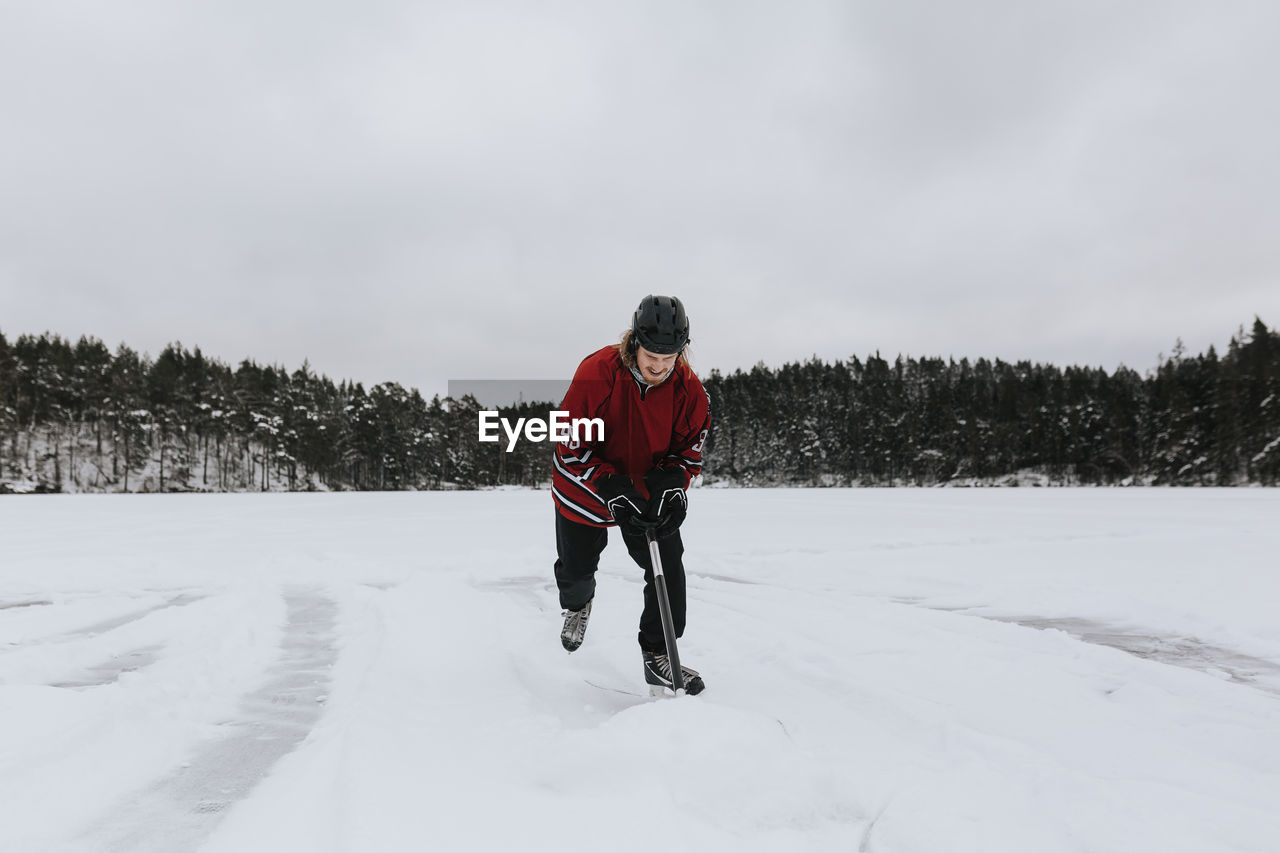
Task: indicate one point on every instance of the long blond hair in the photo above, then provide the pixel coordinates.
(628, 343)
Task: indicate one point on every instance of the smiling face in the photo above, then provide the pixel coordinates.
(654, 368)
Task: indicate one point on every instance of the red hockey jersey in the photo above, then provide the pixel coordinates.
(644, 427)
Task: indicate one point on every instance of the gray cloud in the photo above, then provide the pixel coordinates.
(424, 192)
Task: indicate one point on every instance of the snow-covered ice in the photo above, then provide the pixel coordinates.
(899, 671)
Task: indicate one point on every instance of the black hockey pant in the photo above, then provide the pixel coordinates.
(578, 548)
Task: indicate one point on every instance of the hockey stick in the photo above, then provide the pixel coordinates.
(664, 607)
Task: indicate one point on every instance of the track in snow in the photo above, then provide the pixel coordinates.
(110, 670)
(179, 813)
(1186, 652)
(1171, 650)
(14, 605)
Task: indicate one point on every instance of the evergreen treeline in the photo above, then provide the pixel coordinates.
(79, 417)
(1197, 420)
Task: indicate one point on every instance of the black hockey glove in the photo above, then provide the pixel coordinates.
(668, 502)
(625, 504)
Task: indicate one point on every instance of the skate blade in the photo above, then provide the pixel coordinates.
(657, 691)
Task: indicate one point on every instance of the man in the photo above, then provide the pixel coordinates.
(656, 418)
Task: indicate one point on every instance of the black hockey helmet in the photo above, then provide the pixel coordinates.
(660, 325)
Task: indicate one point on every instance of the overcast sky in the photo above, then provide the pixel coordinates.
(420, 191)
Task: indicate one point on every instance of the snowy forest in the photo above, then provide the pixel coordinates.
(78, 417)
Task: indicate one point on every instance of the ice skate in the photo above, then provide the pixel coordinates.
(575, 627)
(657, 674)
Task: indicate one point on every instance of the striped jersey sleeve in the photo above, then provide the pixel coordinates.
(577, 461)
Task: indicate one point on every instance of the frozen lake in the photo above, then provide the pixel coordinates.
(898, 671)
